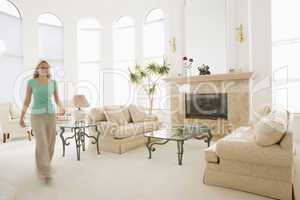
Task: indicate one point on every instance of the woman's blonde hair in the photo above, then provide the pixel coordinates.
(36, 73)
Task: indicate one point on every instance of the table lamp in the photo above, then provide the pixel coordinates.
(79, 101)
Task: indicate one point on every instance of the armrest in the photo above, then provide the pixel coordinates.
(248, 151)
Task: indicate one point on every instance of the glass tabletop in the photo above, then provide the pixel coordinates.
(73, 124)
(179, 133)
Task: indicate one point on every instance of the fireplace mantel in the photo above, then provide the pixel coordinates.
(235, 85)
(208, 78)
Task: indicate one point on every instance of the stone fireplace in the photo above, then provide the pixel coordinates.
(220, 101)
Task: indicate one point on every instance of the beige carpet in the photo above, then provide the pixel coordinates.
(114, 177)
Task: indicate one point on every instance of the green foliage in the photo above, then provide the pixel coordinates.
(149, 76)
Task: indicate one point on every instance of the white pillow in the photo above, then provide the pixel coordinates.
(259, 113)
(271, 128)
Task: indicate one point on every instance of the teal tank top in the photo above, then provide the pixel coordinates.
(42, 97)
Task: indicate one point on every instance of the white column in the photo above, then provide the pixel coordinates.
(176, 29)
(139, 40)
(107, 81)
(30, 41)
(261, 52)
(70, 50)
(231, 39)
(243, 48)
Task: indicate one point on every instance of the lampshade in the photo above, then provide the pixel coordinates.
(80, 101)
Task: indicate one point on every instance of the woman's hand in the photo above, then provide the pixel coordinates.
(22, 122)
(61, 111)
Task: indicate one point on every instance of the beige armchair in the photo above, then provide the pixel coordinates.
(238, 162)
(9, 122)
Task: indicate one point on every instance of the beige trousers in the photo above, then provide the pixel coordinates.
(44, 130)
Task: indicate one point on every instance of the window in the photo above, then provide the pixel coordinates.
(154, 36)
(89, 58)
(10, 48)
(50, 42)
(285, 58)
(154, 49)
(124, 57)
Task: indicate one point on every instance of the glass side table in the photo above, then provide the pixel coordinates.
(79, 135)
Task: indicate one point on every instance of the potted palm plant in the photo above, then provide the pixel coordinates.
(148, 77)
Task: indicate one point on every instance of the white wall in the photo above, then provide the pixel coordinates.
(296, 128)
(206, 34)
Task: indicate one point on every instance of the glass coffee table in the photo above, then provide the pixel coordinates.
(179, 135)
(79, 133)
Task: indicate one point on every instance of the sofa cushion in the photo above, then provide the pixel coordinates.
(129, 130)
(137, 113)
(127, 114)
(211, 155)
(115, 114)
(241, 146)
(97, 114)
(271, 128)
(259, 113)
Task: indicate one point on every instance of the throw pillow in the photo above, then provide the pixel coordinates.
(271, 128)
(259, 113)
(137, 114)
(97, 114)
(127, 114)
(115, 115)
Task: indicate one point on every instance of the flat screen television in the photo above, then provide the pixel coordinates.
(206, 106)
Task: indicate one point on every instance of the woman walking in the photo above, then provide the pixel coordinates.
(43, 121)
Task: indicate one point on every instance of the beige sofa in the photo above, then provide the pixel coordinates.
(238, 162)
(121, 138)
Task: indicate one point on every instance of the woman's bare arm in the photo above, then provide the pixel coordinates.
(26, 104)
(58, 102)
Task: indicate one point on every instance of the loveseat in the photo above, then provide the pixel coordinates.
(122, 128)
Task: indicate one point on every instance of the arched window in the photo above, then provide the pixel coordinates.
(124, 57)
(154, 45)
(154, 36)
(10, 48)
(89, 58)
(51, 42)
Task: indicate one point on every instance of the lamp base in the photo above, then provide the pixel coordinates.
(78, 115)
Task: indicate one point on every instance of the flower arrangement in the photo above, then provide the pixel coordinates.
(204, 70)
(187, 62)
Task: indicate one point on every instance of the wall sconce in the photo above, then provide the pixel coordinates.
(241, 34)
(172, 44)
